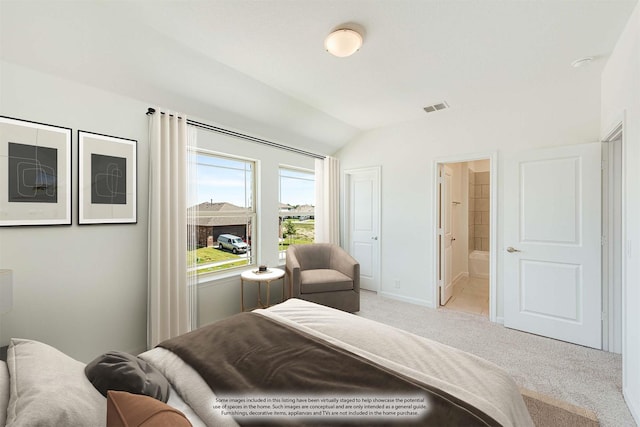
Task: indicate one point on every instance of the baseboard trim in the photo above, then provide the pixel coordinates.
(411, 300)
(460, 276)
(632, 404)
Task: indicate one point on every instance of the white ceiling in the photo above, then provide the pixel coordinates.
(264, 60)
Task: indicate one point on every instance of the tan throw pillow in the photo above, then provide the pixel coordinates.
(136, 410)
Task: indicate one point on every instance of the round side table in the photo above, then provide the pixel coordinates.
(258, 277)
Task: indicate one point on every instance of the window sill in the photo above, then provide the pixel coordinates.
(216, 279)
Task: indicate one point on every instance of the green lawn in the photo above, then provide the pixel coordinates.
(223, 266)
(209, 255)
(304, 234)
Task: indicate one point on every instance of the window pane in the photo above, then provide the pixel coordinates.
(224, 214)
(222, 179)
(297, 208)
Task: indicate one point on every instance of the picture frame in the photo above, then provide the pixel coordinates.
(107, 179)
(35, 173)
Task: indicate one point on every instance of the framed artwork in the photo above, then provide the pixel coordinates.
(107, 177)
(35, 173)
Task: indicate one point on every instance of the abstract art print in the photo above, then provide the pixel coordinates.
(35, 173)
(107, 169)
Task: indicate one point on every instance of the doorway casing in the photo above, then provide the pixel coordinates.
(493, 172)
(614, 250)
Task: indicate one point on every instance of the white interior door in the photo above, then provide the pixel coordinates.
(363, 217)
(445, 235)
(552, 237)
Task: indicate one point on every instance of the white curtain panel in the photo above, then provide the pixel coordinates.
(327, 212)
(168, 307)
(192, 226)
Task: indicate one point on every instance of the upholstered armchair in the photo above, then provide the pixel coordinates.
(324, 273)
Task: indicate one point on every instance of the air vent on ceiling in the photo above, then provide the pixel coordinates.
(436, 107)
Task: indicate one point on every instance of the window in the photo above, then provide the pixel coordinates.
(222, 218)
(297, 208)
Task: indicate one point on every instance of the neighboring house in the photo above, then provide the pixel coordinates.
(211, 221)
(300, 212)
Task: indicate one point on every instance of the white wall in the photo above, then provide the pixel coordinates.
(83, 289)
(79, 288)
(407, 153)
(621, 99)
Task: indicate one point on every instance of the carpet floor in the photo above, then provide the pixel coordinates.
(582, 376)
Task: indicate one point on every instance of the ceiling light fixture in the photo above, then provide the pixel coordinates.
(343, 42)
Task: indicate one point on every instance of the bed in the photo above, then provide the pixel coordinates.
(296, 363)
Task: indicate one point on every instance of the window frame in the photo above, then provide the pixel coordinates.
(251, 214)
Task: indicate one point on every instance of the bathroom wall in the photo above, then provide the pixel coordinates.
(472, 208)
(479, 206)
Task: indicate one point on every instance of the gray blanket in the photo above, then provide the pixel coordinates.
(252, 354)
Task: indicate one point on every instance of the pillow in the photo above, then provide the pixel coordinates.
(135, 410)
(49, 388)
(116, 370)
(4, 391)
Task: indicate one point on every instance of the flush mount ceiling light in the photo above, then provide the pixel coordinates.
(582, 61)
(343, 42)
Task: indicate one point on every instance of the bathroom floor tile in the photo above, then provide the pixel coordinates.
(471, 295)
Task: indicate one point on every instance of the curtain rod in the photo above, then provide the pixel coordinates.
(243, 136)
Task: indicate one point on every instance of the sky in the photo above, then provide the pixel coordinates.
(297, 188)
(229, 180)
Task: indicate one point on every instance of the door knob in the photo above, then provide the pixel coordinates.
(511, 249)
(374, 238)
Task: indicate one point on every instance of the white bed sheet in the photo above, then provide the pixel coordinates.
(190, 386)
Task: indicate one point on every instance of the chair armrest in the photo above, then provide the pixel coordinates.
(292, 270)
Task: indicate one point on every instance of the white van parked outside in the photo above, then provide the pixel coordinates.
(232, 243)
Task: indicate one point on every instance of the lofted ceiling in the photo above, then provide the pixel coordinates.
(264, 61)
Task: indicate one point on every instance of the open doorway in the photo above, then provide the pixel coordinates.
(464, 235)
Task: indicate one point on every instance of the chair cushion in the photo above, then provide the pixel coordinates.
(324, 280)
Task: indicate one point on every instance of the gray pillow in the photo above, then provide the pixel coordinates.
(116, 370)
(50, 389)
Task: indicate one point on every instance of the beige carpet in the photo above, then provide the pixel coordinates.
(580, 376)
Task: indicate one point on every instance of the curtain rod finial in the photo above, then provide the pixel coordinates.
(151, 111)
